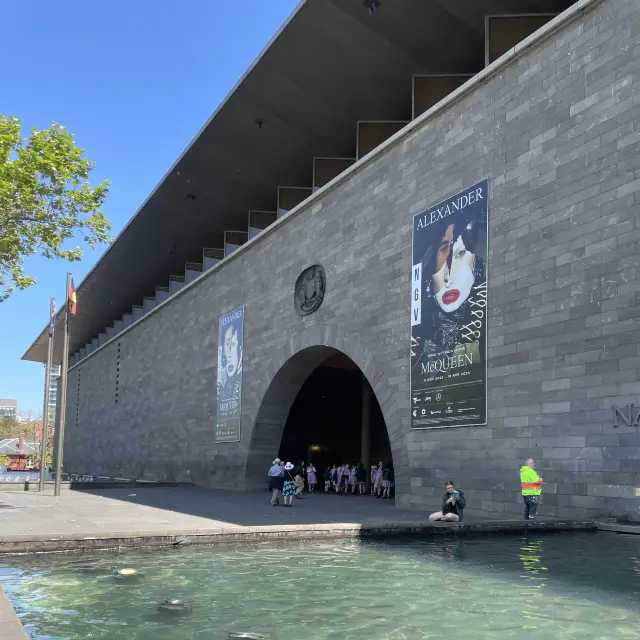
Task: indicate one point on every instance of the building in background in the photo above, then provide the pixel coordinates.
(18, 450)
(409, 233)
(8, 408)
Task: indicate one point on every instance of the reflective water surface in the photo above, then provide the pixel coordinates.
(557, 586)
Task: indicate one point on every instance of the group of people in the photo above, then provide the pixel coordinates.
(454, 502)
(288, 480)
(345, 479)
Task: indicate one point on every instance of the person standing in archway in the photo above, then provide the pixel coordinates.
(387, 475)
(276, 480)
(353, 479)
(361, 478)
(312, 478)
(378, 481)
(299, 478)
(344, 480)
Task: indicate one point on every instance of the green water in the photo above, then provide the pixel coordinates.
(557, 586)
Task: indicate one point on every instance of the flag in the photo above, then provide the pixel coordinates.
(72, 301)
(52, 320)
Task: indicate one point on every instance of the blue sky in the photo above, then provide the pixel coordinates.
(134, 82)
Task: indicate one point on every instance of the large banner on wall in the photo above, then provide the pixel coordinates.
(449, 312)
(230, 339)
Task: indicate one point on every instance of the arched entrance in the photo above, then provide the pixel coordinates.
(335, 419)
(280, 424)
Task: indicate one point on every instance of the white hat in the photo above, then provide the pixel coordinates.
(288, 466)
(276, 461)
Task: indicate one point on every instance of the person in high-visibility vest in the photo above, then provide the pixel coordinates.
(531, 489)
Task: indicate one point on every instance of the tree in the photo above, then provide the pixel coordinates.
(45, 200)
(8, 427)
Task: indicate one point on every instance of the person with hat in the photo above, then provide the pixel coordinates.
(276, 481)
(289, 487)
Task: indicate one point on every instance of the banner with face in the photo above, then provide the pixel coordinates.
(230, 339)
(449, 312)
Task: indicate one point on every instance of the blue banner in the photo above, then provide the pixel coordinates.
(230, 342)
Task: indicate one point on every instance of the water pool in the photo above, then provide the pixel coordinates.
(557, 586)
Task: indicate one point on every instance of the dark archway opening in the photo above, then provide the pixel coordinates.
(325, 423)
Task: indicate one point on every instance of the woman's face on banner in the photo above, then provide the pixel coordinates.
(453, 279)
(231, 351)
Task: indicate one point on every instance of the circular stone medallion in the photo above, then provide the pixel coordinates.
(309, 290)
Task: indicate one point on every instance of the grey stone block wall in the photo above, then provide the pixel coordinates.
(557, 132)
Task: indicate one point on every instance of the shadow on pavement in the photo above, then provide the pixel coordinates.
(254, 508)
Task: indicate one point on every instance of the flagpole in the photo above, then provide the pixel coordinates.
(63, 390)
(47, 388)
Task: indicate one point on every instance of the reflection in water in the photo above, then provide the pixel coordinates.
(533, 580)
(554, 587)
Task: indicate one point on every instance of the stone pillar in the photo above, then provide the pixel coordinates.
(365, 438)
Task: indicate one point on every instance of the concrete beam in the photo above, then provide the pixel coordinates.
(233, 240)
(428, 90)
(370, 134)
(291, 197)
(503, 32)
(326, 169)
(259, 221)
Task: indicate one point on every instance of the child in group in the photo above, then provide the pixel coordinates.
(339, 482)
(344, 480)
(353, 479)
(373, 479)
(378, 481)
(361, 478)
(386, 482)
(335, 478)
(312, 478)
(299, 479)
(327, 479)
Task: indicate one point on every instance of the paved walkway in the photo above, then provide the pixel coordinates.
(166, 515)
(181, 508)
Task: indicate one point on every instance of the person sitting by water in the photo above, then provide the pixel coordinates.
(289, 487)
(276, 480)
(453, 504)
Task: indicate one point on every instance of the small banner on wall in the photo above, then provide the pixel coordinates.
(449, 312)
(230, 339)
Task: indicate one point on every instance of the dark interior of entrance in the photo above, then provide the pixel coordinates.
(324, 425)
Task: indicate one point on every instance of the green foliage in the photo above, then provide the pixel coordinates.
(4, 460)
(8, 427)
(45, 200)
(49, 457)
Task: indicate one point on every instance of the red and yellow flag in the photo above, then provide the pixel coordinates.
(72, 301)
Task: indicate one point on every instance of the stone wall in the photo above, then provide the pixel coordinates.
(557, 132)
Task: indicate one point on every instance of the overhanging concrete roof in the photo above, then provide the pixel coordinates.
(330, 65)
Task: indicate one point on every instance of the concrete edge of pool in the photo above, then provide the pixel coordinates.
(25, 543)
(11, 626)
